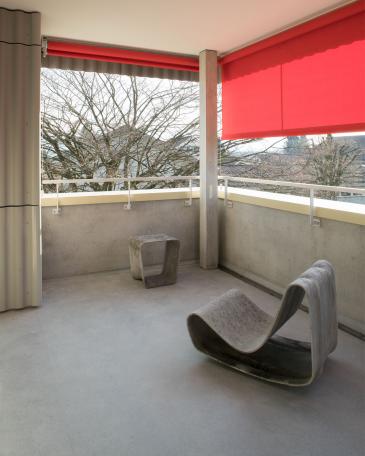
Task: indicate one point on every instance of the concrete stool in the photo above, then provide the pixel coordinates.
(171, 258)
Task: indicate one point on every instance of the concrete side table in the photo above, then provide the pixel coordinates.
(171, 258)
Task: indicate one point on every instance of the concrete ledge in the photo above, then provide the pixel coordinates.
(75, 199)
(327, 209)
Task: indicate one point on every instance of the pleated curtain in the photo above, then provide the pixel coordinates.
(20, 63)
(96, 66)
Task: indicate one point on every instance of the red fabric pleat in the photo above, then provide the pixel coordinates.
(118, 55)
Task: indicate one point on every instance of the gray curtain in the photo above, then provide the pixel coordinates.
(96, 66)
(20, 62)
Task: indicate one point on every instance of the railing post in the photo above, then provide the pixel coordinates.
(225, 191)
(226, 203)
(57, 210)
(189, 201)
(127, 206)
(311, 205)
(314, 221)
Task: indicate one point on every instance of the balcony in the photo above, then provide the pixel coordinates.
(95, 364)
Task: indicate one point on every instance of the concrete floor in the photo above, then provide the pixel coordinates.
(106, 367)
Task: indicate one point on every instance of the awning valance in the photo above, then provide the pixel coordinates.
(86, 57)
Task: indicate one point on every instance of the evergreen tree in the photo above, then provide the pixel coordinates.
(296, 145)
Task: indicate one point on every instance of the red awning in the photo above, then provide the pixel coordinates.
(118, 55)
(307, 80)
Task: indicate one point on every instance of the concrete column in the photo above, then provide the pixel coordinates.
(208, 160)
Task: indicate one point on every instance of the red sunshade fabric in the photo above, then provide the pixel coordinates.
(118, 55)
(307, 80)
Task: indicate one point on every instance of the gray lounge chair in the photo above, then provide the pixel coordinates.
(235, 331)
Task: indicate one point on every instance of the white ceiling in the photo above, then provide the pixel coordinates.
(187, 26)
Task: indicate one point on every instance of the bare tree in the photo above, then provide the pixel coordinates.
(104, 125)
(333, 161)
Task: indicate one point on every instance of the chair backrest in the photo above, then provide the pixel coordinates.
(319, 278)
(292, 299)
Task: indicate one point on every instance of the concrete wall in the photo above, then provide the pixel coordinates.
(94, 237)
(268, 245)
(272, 247)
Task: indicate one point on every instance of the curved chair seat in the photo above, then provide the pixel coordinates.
(235, 331)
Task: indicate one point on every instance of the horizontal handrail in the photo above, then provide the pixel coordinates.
(314, 221)
(328, 188)
(118, 180)
(247, 180)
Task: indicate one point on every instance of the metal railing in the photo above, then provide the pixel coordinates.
(312, 188)
(121, 180)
